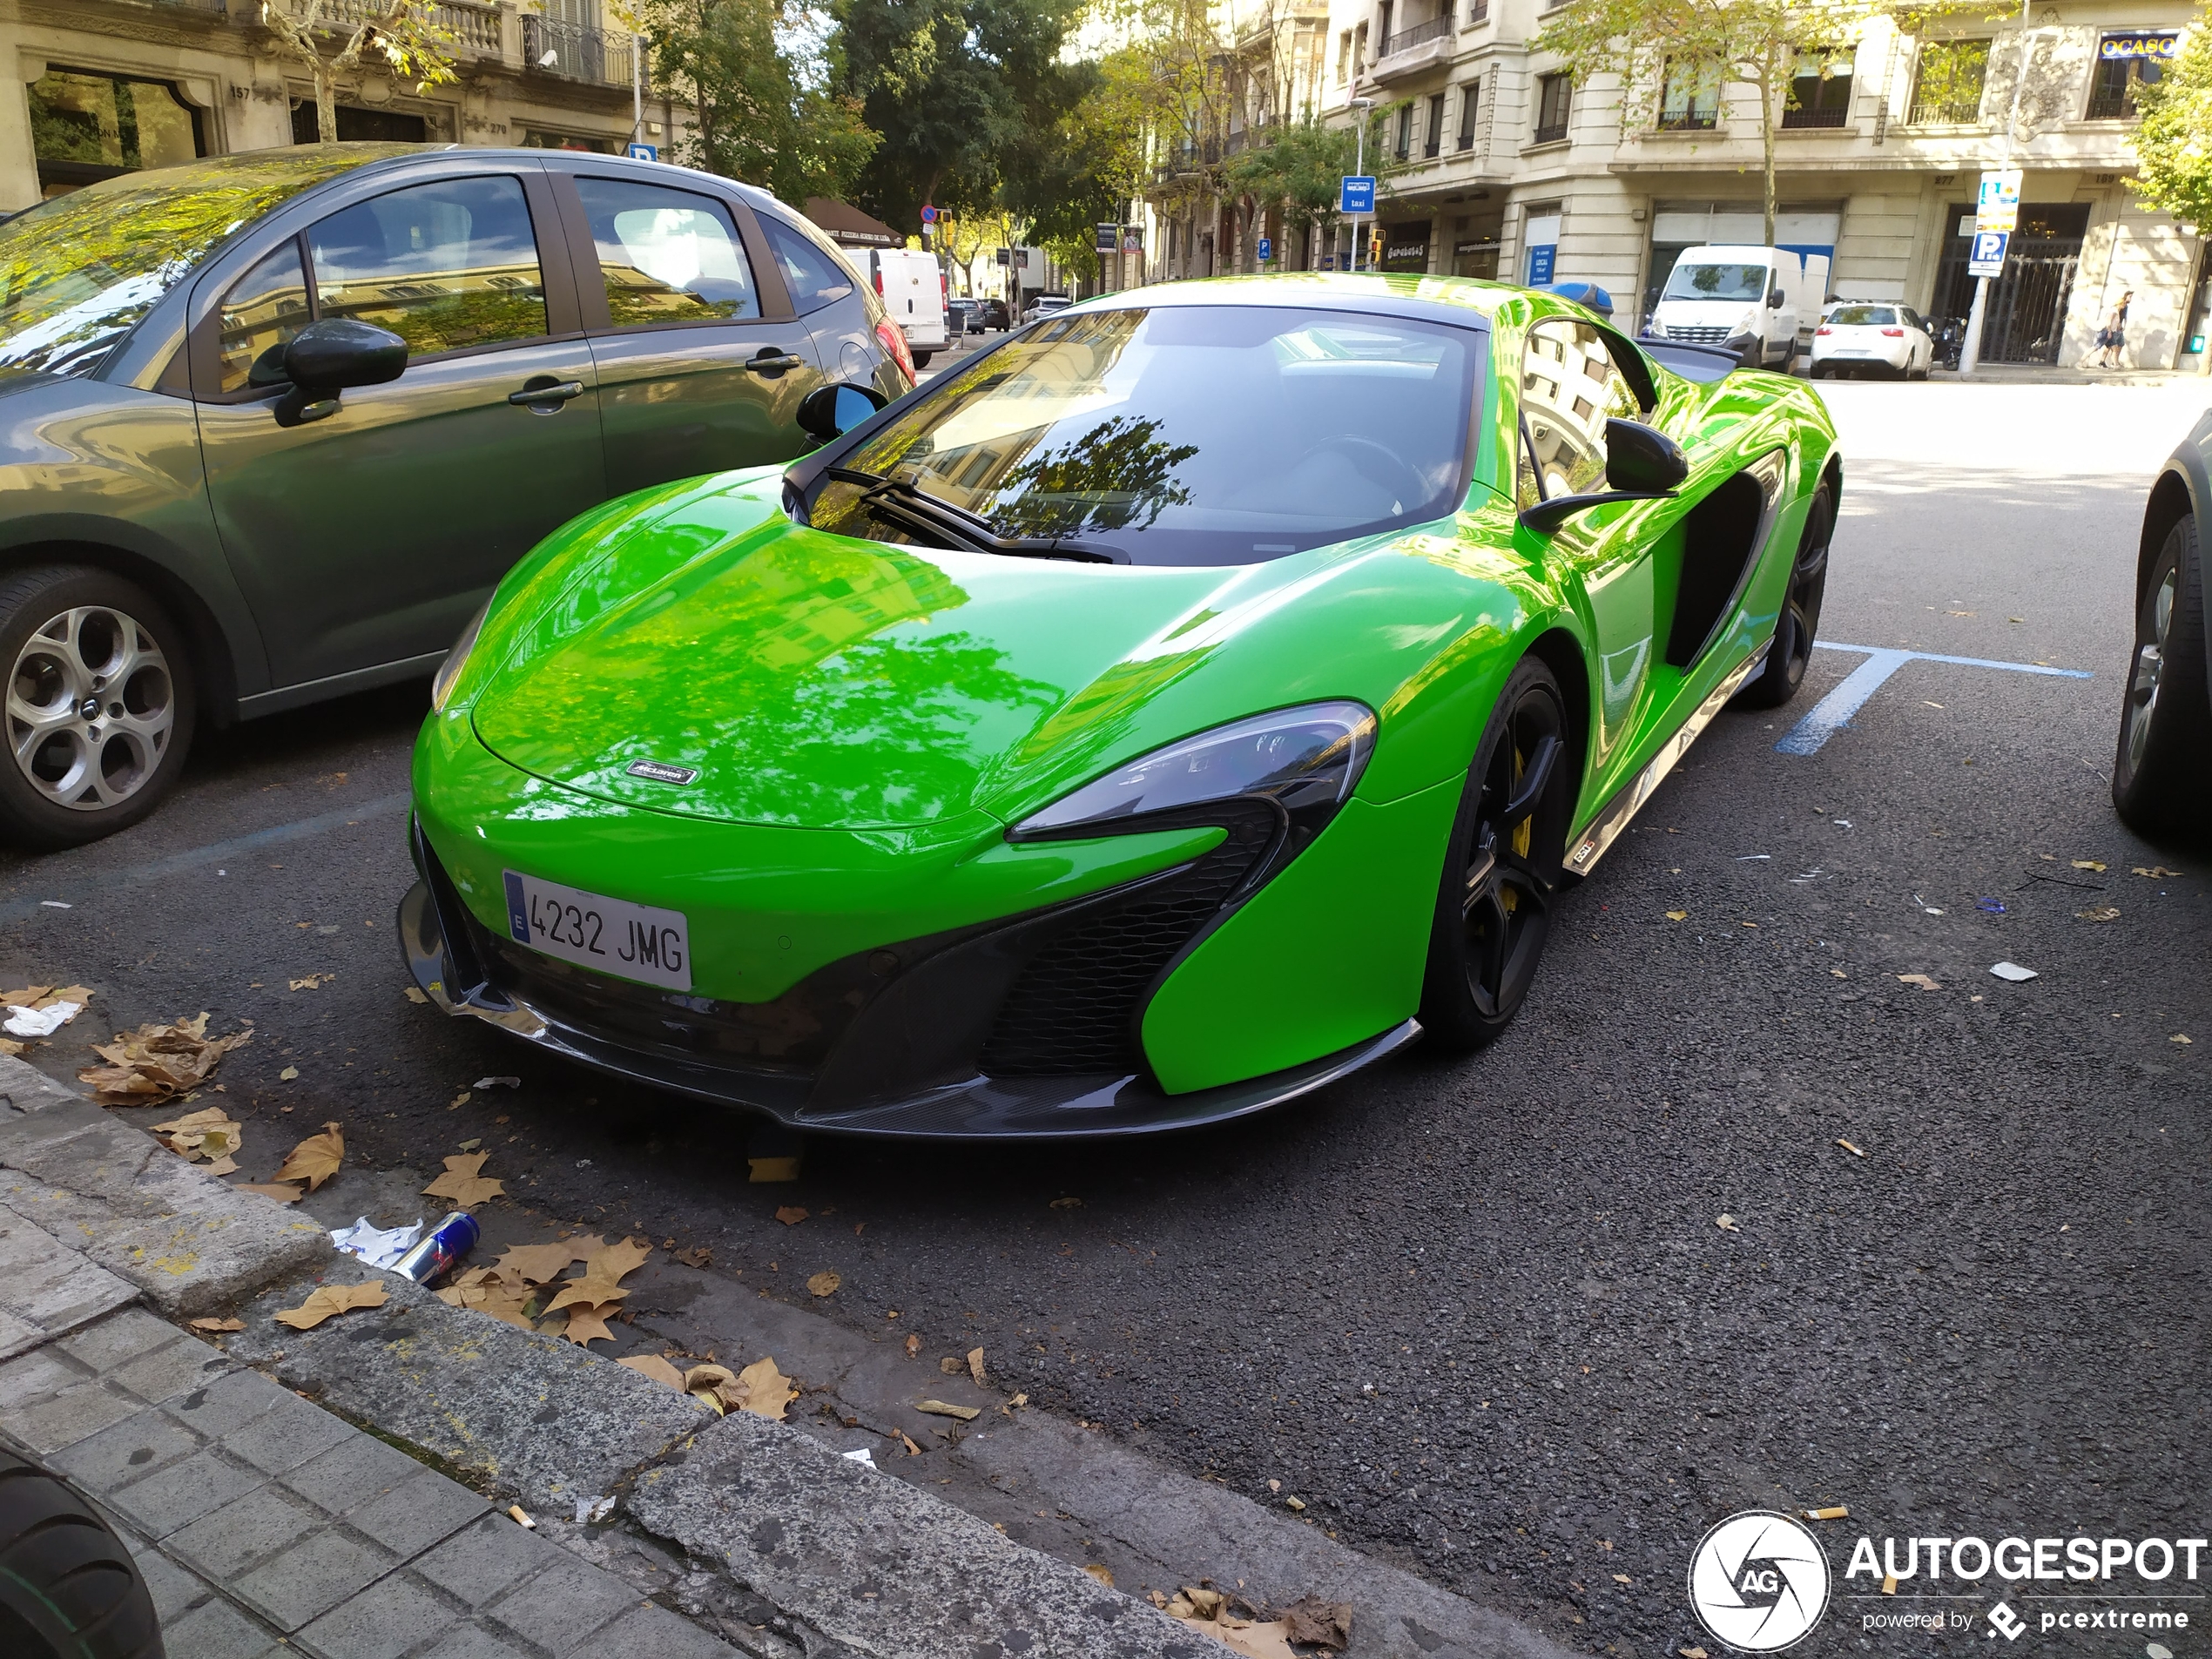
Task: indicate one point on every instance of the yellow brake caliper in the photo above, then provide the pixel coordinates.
(1524, 833)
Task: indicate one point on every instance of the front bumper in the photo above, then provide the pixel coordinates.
(944, 1037)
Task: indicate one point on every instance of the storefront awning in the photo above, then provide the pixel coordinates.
(847, 226)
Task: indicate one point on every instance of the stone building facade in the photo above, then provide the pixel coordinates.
(105, 86)
(1502, 168)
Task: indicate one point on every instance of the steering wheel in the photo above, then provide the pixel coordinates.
(1381, 467)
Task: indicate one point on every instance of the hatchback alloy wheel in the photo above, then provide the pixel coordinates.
(91, 707)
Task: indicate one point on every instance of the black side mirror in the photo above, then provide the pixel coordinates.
(833, 410)
(1773, 298)
(322, 360)
(1642, 463)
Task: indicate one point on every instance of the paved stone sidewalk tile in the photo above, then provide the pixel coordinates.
(351, 1473)
(222, 1545)
(313, 1576)
(46, 1288)
(185, 1363)
(224, 1403)
(477, 1564)
(138, 1446)
(287, 1434)
(387, 1619)
(560, 1608)
(47, 1406)
(655, 1633)
(415, 1516)
(217, 1630)
(115, 1341)
(468, 1642)
(183, 1493)
(173, 1589)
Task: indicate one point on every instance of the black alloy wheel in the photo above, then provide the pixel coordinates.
(1798, 625)
(2161, 776)
(1503, 867)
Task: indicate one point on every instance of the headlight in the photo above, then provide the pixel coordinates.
(457, 659)
(1297, 764)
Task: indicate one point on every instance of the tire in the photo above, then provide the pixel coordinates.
(68, 632)
(69, 1589)
(2160, 770)
(1502, 873)
(1798, 625)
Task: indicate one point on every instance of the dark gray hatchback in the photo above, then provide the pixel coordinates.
(190, 529)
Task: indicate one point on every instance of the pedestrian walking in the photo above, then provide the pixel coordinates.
(2114, 334)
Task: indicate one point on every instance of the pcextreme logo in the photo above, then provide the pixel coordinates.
(1759, 1582)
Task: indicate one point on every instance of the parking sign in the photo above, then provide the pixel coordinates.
(645, 152)
(1988, 255)
(1266, 249)
(1356, 195)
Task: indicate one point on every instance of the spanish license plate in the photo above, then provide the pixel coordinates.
(632, 941)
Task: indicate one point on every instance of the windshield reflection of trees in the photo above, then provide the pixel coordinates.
(1117, 475)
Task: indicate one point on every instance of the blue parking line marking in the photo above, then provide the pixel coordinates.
(1834, 711)
(216, 852)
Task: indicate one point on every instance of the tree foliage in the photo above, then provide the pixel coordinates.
(760, 114)
(2174, 141)
(405, 37)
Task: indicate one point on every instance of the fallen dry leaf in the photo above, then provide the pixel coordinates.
(940, 1408)
(414, 994)
(332, 1299)
(914, 1344)
(2180, 1038)
(907, 1440)
(312, 980)
(651, 1364)
(1848, 1148)
(157, 1063)
(585, 1292)
(315, 1159)
(715, 1385)
(290, 1074)
(766, 1390)
(209, 1133)
(1920, 979)
(2088, 864)
(37, 998)
(950, 1365)
(791, 1215)
(775, 1168)
(10, 1046)
(462, 1185)
(1100, 1571)
(825, 1283)
(1298, 1504)
(282, 1191)
(2157, 872)
(1726, 1224)
(1324, 1624)
(2102, 913)
(213, 1325)
(457, 1102)
(1699, 1653)
(612, 1261)
(1067, 1203)
(697, 1256)
(1678, 915)
(589, 1325)
(976, 1365)
(1623, 1578)
(535, 1264)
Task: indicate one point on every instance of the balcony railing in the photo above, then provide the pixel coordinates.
(1466, 140)
(1435, 29)
(2112, 107)
(578, 53)
(1805, 116)
(1688, 120)
(1552, 134)
(1963, 111)
(476, 27)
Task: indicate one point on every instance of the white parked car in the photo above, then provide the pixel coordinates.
(1044, 305)
(912, 287)
(1858, 337)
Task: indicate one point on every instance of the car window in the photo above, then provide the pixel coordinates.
(446, 267)
(667, 255)
(1862, 317)
(812, 268)
(264, 307)
(1717, 282)
(1569, 388)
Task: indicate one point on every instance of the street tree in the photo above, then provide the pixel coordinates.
(405, 38)
(762, 105)
(2174, 141)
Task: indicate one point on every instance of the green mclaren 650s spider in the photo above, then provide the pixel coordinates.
(1200, 694)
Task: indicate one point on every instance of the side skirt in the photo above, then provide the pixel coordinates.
(1611, 819)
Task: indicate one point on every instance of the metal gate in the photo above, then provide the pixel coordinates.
(2025, 320)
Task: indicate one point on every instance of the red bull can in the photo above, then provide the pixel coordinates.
(454, 1236)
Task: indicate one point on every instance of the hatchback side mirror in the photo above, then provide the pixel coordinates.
(1642, 463)
(832, 411)
(1774, 299)
(324, 359)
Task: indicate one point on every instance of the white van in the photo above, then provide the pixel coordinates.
(1761, 303)
(913, 291)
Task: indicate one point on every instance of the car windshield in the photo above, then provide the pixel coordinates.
(1862, 317)
(1185, 435)
(77, 272)
(1717, 282)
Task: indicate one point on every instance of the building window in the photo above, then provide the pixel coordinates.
(1478, 13)
(1946, 86)
(1470, 106)
(85, 127)
(1691, 96)
(1359, 49)
(1435, 144)
(1382, 29)
(2125, 61)
(1405, 145)
(361, 126)
(538, 138)
(1820, 91)
(1554, 96)
(1344, 57)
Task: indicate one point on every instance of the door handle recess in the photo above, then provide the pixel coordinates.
(535, 397)
(774, 362)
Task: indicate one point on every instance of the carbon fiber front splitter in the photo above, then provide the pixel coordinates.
(1050, 1107)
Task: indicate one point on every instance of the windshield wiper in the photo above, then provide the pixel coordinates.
(902, 498)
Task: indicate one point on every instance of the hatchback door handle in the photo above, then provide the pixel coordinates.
(774, 362)
(534, 394)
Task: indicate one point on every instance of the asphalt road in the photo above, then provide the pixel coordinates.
(1479, 1315)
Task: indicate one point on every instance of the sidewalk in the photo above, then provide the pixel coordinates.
(265, 1520)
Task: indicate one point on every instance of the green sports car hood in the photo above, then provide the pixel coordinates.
(816, 681)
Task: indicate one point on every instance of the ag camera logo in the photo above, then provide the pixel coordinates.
(1759, 1582)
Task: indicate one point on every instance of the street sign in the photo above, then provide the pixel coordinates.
(1108, 238)
(1987, 259)
(645, 152)
(928, 215)
(1355, 194)
(1005, 256)
(1999, 206)
(1266, 249)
